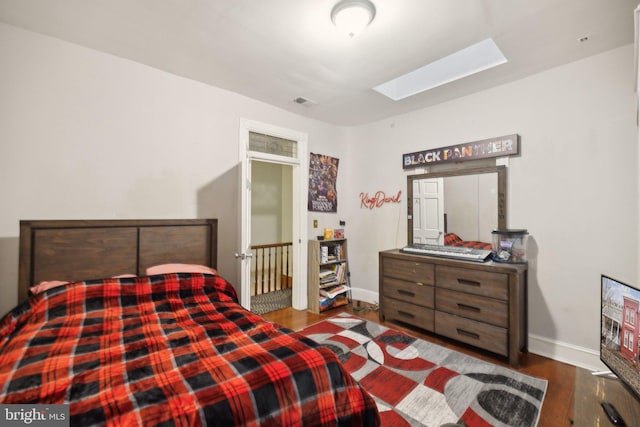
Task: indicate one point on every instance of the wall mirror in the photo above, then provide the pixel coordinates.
(457, 207)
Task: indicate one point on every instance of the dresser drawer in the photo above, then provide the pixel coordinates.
(479, 282)
(408, 313)
(416, 272)
(469, 331)
(411, 292)
(472, 306)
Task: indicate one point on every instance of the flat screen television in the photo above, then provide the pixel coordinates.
(620, 331)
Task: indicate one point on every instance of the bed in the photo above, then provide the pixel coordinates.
(123, 347)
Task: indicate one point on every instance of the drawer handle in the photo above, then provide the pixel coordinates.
(468, 282)
(467, 333)
(404, 313)
(419, 283)
(407, 293)
(468, 308)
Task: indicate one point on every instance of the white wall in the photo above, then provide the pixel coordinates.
(574, 187)
(86, 135)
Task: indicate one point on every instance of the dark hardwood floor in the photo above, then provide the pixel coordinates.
(558, 406)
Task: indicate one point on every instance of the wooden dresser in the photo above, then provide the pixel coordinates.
(482, 304)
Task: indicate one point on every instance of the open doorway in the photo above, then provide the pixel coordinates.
(278, 155)
(271, 236)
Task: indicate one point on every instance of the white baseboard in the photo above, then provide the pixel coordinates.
(365, 295)
(567, 353)
(557, 350)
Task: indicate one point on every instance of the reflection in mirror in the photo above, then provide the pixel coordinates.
(457, 208)
(471, 206)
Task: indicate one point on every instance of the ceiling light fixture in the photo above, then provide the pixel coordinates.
(352, 16)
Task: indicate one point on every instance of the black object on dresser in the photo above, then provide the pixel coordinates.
(484, 305)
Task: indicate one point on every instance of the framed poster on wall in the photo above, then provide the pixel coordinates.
(323, 174)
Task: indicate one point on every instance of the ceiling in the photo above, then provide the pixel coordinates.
(278, 50)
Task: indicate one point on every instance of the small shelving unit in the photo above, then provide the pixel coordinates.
(328, 275)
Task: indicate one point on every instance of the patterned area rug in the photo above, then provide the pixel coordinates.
(271, 301)
(417, 383)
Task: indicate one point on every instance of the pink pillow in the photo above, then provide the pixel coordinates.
(43, 286)
(48, 284)
(180, 268)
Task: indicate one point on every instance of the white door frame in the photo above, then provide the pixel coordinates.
(300, 182)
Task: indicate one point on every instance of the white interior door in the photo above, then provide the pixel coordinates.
(243, 255)
(428, 211)
(298, 214)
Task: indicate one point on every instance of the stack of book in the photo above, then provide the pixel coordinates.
(337, 252)
(331, 254)
(324, 254)
(341, 272)
(328, 277)
(333, 275)
(334, 292)
(333, 297)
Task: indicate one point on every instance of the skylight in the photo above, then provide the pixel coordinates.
(470, 60)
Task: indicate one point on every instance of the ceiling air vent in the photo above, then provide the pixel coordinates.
(304, 101)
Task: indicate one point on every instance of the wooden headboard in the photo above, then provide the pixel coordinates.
(72, 250)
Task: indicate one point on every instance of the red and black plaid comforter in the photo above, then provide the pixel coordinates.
(170, 350)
